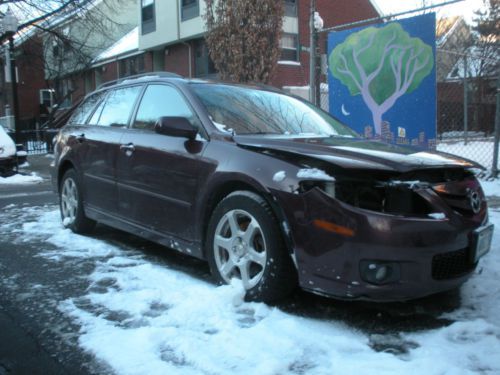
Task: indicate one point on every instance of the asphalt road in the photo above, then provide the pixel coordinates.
(37, 338)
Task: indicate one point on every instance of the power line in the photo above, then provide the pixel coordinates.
(382, 18)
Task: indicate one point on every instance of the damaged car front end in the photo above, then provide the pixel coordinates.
(365, 225)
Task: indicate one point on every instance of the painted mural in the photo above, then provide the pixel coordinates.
(382, 80)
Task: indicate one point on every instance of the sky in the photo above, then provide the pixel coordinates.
(464, 8)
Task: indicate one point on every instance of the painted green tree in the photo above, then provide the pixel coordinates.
(381, 64)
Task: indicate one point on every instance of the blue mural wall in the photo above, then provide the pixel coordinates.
(382, 80)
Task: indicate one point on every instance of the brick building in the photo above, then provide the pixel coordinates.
(30, 79)
(172, 31)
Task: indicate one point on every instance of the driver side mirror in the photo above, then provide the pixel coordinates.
(175, 127)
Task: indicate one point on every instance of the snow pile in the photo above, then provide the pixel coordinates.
(314, 174)
(491, 188)
(21, 179)
(144, 318)
(279, 176)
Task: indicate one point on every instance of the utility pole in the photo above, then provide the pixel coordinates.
(466, 101)
(494, 169)
(312, 54)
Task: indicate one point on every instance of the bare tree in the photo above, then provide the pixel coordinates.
(484, 64)
(66, 36)
(243, 38)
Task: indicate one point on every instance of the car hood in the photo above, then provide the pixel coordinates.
(347, 152)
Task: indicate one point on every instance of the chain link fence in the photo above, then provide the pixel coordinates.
(466, 109)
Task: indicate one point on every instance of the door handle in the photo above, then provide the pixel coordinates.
(80, 138)
(128, 148)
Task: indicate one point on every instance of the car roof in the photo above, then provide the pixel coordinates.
(173, 77)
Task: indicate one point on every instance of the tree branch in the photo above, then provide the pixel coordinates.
(346, 71)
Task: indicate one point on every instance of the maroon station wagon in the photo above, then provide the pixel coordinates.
(269, 190)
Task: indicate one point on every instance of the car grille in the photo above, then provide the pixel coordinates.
(452, 264)
(460, 204)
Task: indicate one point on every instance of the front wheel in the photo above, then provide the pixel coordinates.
(71, 204)
(244, 242)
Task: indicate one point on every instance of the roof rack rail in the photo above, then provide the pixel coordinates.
(148, 74)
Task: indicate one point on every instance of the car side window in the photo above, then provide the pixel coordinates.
(159, 101)
(116, 108)
(84, 110)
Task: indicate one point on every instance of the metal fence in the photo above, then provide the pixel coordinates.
(35, 142)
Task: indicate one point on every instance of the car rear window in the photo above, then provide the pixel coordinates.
(83, 111)
(117, 107)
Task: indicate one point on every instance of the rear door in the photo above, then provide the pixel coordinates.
(158, 174)
(101, 140)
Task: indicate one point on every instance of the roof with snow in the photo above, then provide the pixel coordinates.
(125, 46)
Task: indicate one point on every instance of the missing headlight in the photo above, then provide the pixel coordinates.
(381, 197)
(327, 186)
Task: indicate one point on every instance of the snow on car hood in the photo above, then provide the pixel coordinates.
(356, 153)
(7, 145)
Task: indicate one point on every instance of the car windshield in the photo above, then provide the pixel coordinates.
(244, 110)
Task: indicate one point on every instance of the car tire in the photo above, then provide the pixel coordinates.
(71, 204)
(244, 241)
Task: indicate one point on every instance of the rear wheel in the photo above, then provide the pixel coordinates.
(71, 204)
(244, 242)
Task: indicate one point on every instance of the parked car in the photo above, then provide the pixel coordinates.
(270, 190)
(7, 153)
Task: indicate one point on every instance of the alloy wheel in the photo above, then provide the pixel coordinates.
(240, 249)
(69, 201)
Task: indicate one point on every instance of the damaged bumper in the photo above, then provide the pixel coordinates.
(347, 252)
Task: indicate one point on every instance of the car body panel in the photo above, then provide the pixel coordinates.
(160, 176)
(349, 152)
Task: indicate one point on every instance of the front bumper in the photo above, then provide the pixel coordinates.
(7, 164)
(431, 255)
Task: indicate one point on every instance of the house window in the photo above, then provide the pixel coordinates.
(148, 20)
(132, 66)
(291, 8)
(64, 89)
(189, 9)
(204, 66)
(288, 44)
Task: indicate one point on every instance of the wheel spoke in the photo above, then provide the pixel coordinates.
(252, 228)
(245, 274)
(223, 242)
(227, 268)
(233, 223)
(257, 257)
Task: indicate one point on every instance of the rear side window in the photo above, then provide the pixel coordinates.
(159, 101)
(84, 110)
(116, 108)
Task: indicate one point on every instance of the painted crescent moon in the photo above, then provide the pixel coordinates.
(344, 111)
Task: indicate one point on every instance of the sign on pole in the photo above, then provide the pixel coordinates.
(382, 80)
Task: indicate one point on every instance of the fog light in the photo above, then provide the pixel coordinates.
(379, 272)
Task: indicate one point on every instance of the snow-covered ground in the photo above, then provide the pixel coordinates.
(143, 318)
(21, 179)
(479, 151)
(491, 187)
